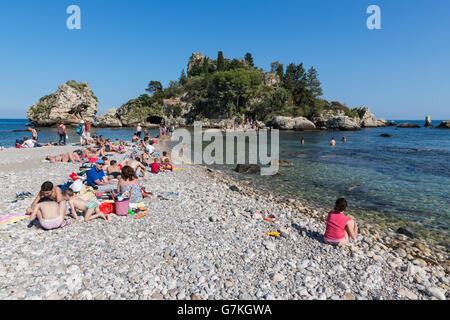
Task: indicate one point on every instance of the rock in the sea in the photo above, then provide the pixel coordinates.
(367, 119)
(387, 135)
(406, 232)
(382, 123)
(408, 125)
(428, 122)
(391, 123)
(342, 123)
(444, 125)
(71, 103)
(288, 123)
(301, 124)
(248, 168)
(281, 163)
(109, 119)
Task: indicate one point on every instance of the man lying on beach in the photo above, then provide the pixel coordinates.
(89, 208)
(90, 152)
(48, 192)
(340, 228)
(65, 157)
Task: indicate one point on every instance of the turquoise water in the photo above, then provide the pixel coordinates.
(402, 181)
(8, 138)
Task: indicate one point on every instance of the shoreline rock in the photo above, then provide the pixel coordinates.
(71, 103)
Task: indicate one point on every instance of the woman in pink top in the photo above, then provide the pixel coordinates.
(339, 227)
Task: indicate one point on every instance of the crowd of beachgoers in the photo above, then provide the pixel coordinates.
(188, 233)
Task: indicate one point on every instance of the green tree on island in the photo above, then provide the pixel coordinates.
(220, 61)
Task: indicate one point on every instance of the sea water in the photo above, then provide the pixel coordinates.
(399, 181)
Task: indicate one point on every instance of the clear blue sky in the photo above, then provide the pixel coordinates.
(400, 72)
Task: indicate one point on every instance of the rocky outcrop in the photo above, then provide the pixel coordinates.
(428, 121)
(287, 123)
(382, 123)
(408, 125)
(109, 119)
(271, 79)
(71, 103)
(444, 125)
(342, 123)
(366, 118)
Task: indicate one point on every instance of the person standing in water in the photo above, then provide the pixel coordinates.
(333, 142)
(303, 140)
(139, 130)
(344, 139)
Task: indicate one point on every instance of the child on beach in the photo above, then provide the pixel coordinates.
(91, 207)
(340, 228)
(165, 162)
(155, 166)
(49, 213)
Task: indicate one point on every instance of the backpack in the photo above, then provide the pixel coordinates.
(80, 129)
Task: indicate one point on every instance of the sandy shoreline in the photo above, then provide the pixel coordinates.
(204, 243)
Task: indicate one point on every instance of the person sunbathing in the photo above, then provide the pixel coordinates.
(90, 208)
(65, 157)
(90, 152)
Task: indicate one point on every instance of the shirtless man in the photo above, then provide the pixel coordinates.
(113, 171)
(333, 142)
(92, 153)
(34, 134)
(48, 192)
(135, 165)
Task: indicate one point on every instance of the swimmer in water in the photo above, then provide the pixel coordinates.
(303, 140)
(344, 139)
(333, 142)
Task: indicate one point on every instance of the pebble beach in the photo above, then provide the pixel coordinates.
(201, 240)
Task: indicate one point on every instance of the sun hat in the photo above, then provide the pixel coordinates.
(100, 161)
(82, 121)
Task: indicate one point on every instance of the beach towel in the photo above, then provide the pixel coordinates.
(13, 220)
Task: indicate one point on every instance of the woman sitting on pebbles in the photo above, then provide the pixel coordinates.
(339, 227)
(129, 181)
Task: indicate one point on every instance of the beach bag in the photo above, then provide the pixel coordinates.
(122, 207)
(87, 193)
(80, 129)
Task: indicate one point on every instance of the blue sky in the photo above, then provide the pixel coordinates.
(401, 71)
